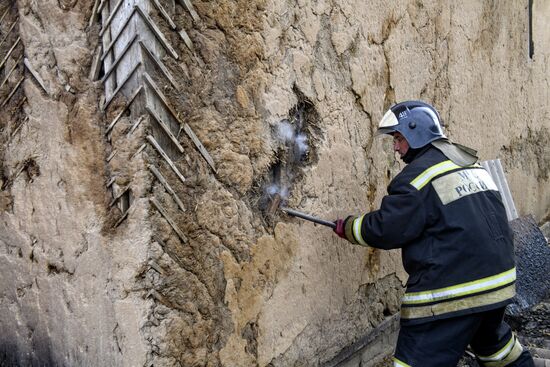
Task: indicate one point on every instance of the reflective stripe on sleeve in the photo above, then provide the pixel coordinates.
(357, 224)
(460, 290)
(505, 356)
(398, 363)
(442, 308)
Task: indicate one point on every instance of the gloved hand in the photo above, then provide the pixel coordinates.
(340, 228)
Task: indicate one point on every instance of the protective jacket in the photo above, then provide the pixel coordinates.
(456, 244)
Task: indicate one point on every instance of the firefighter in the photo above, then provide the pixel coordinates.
(445, 213)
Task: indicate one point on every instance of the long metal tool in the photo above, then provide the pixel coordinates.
(311, 218)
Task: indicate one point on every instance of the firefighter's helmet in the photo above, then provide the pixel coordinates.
(417, 121)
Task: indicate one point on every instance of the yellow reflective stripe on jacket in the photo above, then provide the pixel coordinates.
(425, 177)
(357, 223)
(442, 308)
(398, 363)
(460, 290)
(505, 356)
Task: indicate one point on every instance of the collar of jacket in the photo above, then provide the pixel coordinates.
(459, 154)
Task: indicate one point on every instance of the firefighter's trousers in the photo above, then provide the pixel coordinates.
(442, 343)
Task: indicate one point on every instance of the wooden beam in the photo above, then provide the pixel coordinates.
(9, 31)
(11, 71)
(164, 14)
(121, 113)
(163, 212)
(160, 65)
(135, 125)
(10, 51)
(200, 147)
(13, 91)
(35, 75)
(95, 69)
(156, 31)
(166, 158)
(108, 101)
(167, 186)
(110, 19)
(93, 16)
(119, 58)
(187, 4)
(165, 128)
(191, 134)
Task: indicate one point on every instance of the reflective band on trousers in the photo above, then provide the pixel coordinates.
(460, 290)
(398, 363)
(491, 298)
(357, 224)
(508, 354)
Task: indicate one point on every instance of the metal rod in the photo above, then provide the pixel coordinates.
(308, 217)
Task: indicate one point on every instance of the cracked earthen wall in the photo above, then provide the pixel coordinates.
(84, 282)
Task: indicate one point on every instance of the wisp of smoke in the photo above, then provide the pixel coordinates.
(285, 131)
(274, 189)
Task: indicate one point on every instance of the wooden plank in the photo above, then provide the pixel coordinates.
(9, 52)
(121, 113)
(13, 91)
(187, 4)
(11, 71)
(9, 31)
(156, 295)
(4, 13)
(115, 38)
(117, 197)
(119, 58)
(165, 128)
(185, 37)
(200, 147)
(135, 125)
(176, 229)
(112, 155)
(154, 265)
(107, 102)
(101, 5)
(160, 95)
(140, 149)
(111, 17)
(35, 74)
(156, 31)
(166, 158)
(93, 16)
(167, 186)
(124, 216)
(111, 181)
(19, 127)
(160, 65)
(164, 14)
(96, 64)
(191, 134)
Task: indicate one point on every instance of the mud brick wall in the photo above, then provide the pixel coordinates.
(142, 142)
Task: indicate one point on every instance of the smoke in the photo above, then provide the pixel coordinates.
(291, 149)
(274, 189)
(294, 140)
(285, 132)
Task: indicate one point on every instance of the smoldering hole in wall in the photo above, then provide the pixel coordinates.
(296, 139)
